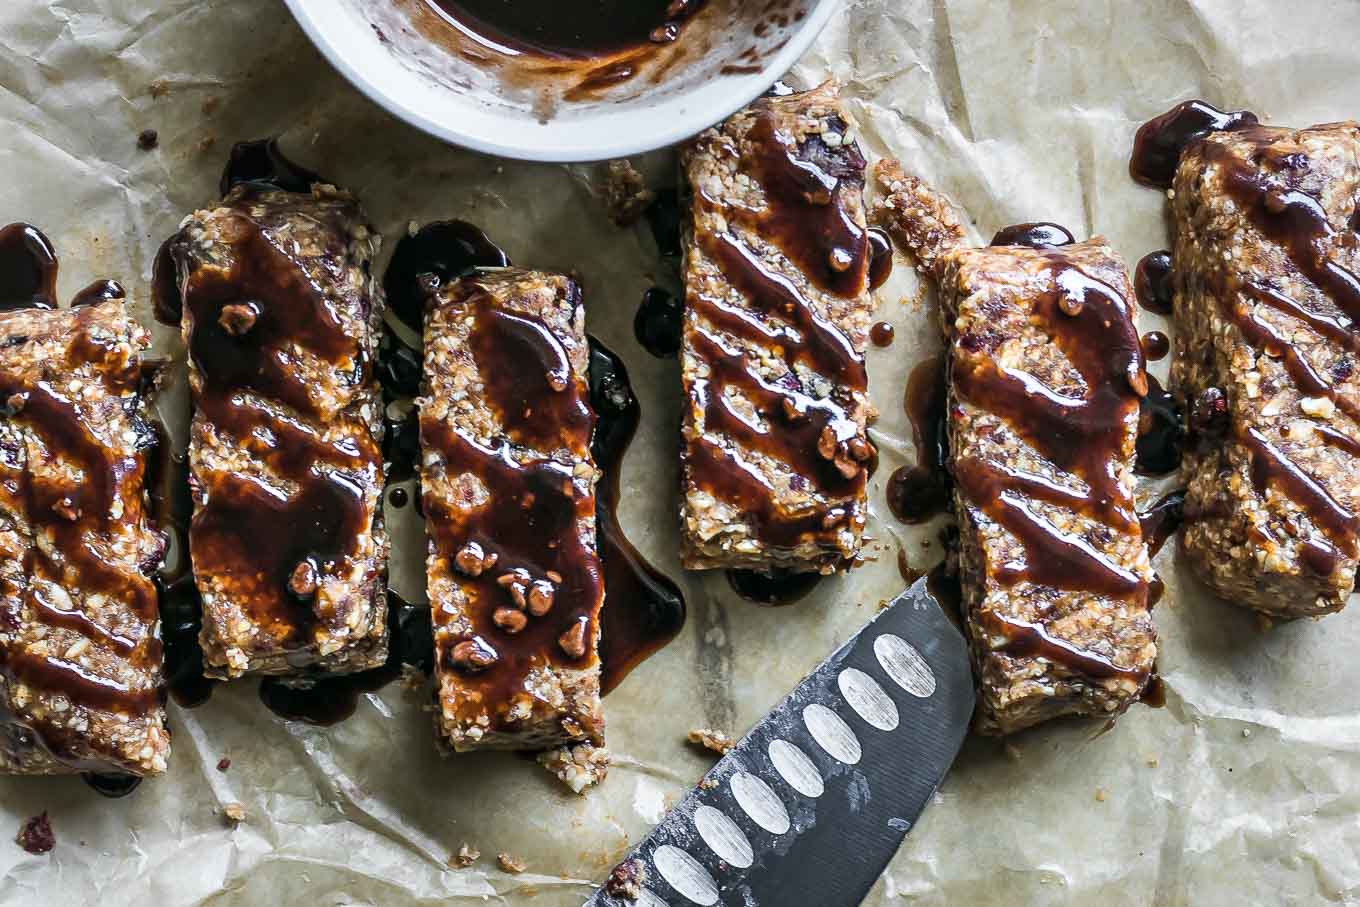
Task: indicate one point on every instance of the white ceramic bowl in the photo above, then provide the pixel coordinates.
(374, 44)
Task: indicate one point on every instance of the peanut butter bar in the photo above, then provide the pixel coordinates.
(777, 312)
(281, 318)
(1045, 375)
(1266, 292)
(80, 651)
(508, 488)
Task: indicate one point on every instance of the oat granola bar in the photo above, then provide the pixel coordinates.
(508, 488)
(777, 311)
(281, 318)
(80, 652)
(1266, 290)
(1045, 375)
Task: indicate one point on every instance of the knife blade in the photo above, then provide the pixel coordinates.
(808, 808)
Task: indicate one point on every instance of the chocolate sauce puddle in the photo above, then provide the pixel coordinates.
(658, 323)
(328, 699)
(181, 607)
(1160, 142)
(880, 257)
(262, 162)
(568, 29)
(1152, 282)
(1040, 235)
(776, 588)
(644, 609)
(113, 786)
(1161, 432)
(438, 253)
(1161, 520)
(28, 269)
(918, 493)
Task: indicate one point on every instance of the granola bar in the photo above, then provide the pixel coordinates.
(777, 313)
(1266, 294)
(80, 652)
(281, 318)
(508, 487)
(1045, 375)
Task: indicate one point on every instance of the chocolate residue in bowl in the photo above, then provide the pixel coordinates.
(568, 28)
(578, 53)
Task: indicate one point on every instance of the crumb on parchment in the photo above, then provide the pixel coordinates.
(579, 767)
(624, 193)
(234, 813)
(466, 856)
(510, 864)
(627, 880)
(709, 739)
(35, 836)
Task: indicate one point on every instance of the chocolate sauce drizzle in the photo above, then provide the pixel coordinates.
(246, 528)
(1091, 323)
(76, 519)
(1268, 188)
(807, 217)
(241, 322)
(437, 254)
(1078, 432)
(644, 609)
(1032, 640)
(918, 493)
(528, 536)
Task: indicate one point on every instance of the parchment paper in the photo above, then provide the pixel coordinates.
(1243, 790)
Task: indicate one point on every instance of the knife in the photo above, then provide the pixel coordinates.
(809, 807)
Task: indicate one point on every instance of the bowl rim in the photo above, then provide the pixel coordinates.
(677, 125)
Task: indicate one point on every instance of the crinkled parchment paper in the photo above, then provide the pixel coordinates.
(1243, 790)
